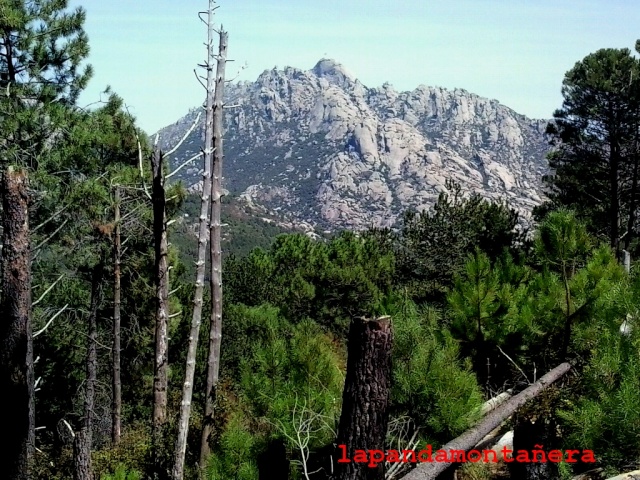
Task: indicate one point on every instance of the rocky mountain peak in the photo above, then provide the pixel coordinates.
(317, 146)
(333, 71)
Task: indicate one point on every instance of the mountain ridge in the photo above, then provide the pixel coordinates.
(318, 147)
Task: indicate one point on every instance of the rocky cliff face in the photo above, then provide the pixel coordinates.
(319, 147)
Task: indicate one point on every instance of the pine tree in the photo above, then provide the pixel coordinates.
(41, 49)
(595, 135)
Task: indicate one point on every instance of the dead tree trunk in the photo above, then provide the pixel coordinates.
(466, 441)
(364, 417)
(161, 273)
(17, 382)
(196, 319)
(215, 332)
(116, 408)
(84, 438)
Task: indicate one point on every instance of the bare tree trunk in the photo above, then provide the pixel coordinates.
(215, 332)
(466, 441)
(84, 438)
(81, 456)
(17, 382)
(364, 417)
(160, 364)
(196, 319)
(116, 408)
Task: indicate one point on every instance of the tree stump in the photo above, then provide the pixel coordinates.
(364, 417)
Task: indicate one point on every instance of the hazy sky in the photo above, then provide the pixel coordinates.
(515, 51)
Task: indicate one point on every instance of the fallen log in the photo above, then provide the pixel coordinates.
(635, 475)
(596, 473)
(495, 402)
(466, 441)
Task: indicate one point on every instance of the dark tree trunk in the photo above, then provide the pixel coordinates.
(160, 378)
(614, 168)
(536, 428)
(215, 331)
(632, 200)
(117, 384)
(364, 417)
(273, 463)
(82, 456)
(84, 438)
(17, 382)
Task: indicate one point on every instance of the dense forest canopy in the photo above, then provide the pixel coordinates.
(104, 281)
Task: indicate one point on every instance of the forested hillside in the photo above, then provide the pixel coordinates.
(121, 359)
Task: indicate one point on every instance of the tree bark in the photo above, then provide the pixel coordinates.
(364, 417)
(161, 273)
(187, 389)
(81, 456)
(84, 438)
(215, 331)
(533, 427)
(631, 222)
(17, 381)
(116, 408)
(466, 441)
(614, 209)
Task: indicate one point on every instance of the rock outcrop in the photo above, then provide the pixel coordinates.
(318, 146)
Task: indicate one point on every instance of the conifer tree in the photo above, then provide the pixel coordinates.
(595, 135)
(41, 49)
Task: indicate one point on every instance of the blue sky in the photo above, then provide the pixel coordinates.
(515, 51)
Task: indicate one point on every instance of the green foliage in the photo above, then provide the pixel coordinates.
(290, 365)
(288, 302)
(243, 230)
(125, 459)
(594, 160)
(430, 384)
(605, 415)
(492, 315)
(40, 75)
(238, 449)
(291, 379)
(433, 245)
(562, 241)
(121, 473)
(328, 282)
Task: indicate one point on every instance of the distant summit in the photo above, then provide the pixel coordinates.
(333, 71)
(317, 146)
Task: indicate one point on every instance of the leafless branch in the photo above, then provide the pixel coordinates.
(50, 321)
(73, 434)
(195, 72)
(515, 365)
(140, 167)
(46, 291)
(243, 67)
(49, 219)
(52, 235)
(195, 123)
(183, 165)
